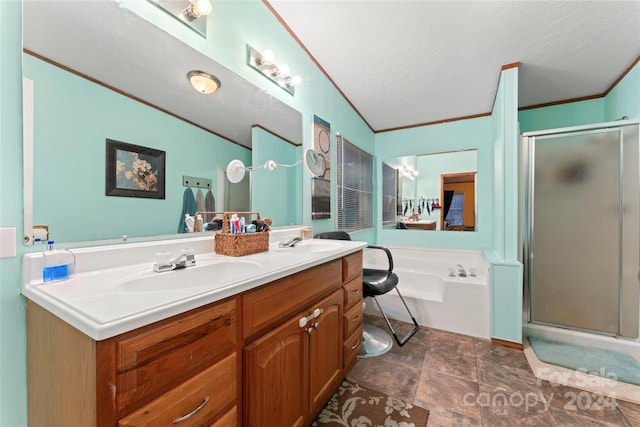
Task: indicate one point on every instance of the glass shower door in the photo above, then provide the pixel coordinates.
(575, 230)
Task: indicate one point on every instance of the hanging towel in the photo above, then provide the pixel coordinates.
(210, 205)
(200, 201)
(188, 207)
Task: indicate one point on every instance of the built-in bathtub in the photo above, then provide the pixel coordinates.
(437, 300)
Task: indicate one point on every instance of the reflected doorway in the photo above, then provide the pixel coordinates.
(458, 211)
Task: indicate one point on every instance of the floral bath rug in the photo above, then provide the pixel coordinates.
(356, 406)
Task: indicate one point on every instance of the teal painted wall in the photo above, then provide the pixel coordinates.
(505, 281)
(624, 99)
(69, 166)
(562, 115)
(274, 193)
(13, 388)
(460, 135)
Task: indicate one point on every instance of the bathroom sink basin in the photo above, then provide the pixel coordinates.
(210, 275)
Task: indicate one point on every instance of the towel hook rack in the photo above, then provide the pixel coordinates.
(194, 181)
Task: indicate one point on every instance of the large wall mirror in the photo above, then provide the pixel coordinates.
(95, 71)
(435, 191)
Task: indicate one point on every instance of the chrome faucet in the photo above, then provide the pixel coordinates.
(461, 271)
(290, 243)
(184, 260)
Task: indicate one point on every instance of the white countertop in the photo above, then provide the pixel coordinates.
(115, 289)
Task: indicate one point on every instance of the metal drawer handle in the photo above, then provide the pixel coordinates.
(356, 344)
(356, 292)
(192, 413)
(355, 319)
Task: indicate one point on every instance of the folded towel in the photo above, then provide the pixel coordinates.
(199, 200)
(188, 207)
(210, 205)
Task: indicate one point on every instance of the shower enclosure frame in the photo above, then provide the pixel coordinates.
(626, 128)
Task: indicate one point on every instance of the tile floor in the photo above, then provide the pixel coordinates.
(467, 381)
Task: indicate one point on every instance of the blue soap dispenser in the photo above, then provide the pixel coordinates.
(59, 264)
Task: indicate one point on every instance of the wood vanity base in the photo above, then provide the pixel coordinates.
(245, 360)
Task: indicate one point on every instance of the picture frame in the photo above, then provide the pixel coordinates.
(134, 171)
(321, 186)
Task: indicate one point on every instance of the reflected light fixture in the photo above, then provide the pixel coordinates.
(409, 172)
(187, 12)
(312, 161)
(265, 64)
(203, 82)
(196, 9)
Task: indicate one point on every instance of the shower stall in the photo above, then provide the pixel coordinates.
(580, 227)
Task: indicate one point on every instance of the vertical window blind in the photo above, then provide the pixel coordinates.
(389, 194)
(355, 187)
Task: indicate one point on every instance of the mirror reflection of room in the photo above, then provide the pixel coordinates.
(437, 191)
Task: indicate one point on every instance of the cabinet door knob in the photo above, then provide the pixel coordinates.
(310, 331)
(192, 413)
(302, 322)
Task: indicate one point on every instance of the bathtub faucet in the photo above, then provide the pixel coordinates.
(461, 271)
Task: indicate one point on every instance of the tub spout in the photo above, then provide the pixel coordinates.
(461, 271)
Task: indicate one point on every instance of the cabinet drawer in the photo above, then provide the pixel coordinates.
(268, 305)
(351, 266)
(353, 292)
(230, 419)
(352, 346)
(156, 358)
(352, 319)
(197, 401)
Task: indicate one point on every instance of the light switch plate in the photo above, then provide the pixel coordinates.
(7, 242)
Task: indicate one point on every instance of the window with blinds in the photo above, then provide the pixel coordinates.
(355, 187)
(389, 194)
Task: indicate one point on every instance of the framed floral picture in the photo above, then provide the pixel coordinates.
(134, 171)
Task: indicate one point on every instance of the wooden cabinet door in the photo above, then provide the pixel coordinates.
(326, 349)
(275, 377)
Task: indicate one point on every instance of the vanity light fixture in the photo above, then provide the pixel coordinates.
(265, 64)
(203, 82)
(196, 9)
(312, 161)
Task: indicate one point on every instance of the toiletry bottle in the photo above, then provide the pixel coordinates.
(189, 222)
(234, 224)
(59, 264)
(200, 222)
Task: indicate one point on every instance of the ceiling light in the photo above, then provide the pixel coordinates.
(203, 82)
(196, 9)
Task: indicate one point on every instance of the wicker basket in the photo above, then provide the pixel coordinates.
(240, 244)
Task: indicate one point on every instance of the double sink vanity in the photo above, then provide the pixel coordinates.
(259, 340)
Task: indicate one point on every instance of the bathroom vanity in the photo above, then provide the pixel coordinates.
(269, 348)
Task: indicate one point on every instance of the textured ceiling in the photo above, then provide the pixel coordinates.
(402, 63)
